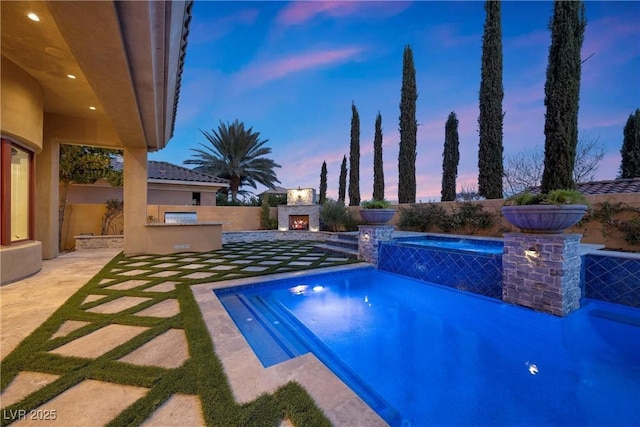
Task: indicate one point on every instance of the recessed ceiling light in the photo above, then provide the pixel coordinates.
(33, 17)
(92, 108)
(71, 76)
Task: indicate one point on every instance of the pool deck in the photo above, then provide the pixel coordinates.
(26, 304)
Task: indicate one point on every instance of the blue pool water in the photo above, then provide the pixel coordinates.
(421, 354)
(465, 245)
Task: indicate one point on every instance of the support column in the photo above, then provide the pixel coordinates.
(368, 240)
(135, 200)
(47, 195)
(542, 271)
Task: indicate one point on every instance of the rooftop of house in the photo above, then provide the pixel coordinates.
(170, 172)
(617, 186)
(274, 190)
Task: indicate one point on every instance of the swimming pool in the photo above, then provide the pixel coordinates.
(427, 355)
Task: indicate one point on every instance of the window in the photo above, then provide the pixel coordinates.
(17, 193)
(195, 199)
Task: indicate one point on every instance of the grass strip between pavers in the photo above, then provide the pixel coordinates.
(202, 374)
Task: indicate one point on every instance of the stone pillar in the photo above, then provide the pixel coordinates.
(542, 271)
(135, 200)
(368, 240)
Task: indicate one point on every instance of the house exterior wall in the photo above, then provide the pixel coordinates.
(21, 105)
(181, 197)
(173, 195)
(21, 120)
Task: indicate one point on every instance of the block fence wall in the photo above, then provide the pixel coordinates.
(86, 218)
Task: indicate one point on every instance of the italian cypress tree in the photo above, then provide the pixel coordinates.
(354, 158)
(450, 159)
(342, 183)
(378, 172)
(562, 95)
(408, 131)
(323, 183)
(630, 164)
(490, 168)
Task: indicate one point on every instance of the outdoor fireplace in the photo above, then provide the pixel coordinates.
(301, 212)
(298, 222)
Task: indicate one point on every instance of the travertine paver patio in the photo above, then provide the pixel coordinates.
(136, 288)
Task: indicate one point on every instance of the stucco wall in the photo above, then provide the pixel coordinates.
(84, 219)
(233, 218)
(592, 231)
(22, 106)
(180, 197)
(102, 191)
(87, 219)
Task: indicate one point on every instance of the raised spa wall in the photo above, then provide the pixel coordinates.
(602, 275)
(480, 273)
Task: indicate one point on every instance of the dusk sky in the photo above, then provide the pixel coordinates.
(291, 70)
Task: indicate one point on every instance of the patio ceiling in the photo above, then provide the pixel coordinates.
(126, 58)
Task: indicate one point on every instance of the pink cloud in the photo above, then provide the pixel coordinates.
(609, 42)
(609, 166)
(598, 119)
(607, 33)
(448, 35)
(300, 12)
(264, 71)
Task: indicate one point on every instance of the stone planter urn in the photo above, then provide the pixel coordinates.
(543, 219)
(377, 216)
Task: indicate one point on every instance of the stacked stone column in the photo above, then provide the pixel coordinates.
(542, 271)
(368, 238)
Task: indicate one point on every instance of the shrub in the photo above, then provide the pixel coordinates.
(423, 217)
(420, 217)
(469, 215)
(555, 197)
(334, 214)
(376, 204)
(631, 230)
(114, 209)
(266, 222)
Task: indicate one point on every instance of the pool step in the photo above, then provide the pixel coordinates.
(343, 245)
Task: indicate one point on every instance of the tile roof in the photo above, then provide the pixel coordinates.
(618, 186)
(274, 190)
(171, 172)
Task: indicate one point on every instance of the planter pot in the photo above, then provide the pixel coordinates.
(377, 216)
(543, 219)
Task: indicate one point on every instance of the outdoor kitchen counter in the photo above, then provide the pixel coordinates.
(166, 238)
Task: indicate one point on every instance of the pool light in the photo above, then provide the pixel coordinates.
(533, 368)
(532, 254)
(298, 290)
(318, 288)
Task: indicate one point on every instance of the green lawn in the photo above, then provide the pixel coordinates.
(202, 374)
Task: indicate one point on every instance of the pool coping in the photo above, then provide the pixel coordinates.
(249, 379)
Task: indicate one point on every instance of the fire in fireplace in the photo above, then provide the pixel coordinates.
(298, 222)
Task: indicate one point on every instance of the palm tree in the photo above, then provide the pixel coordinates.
(236, 154)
